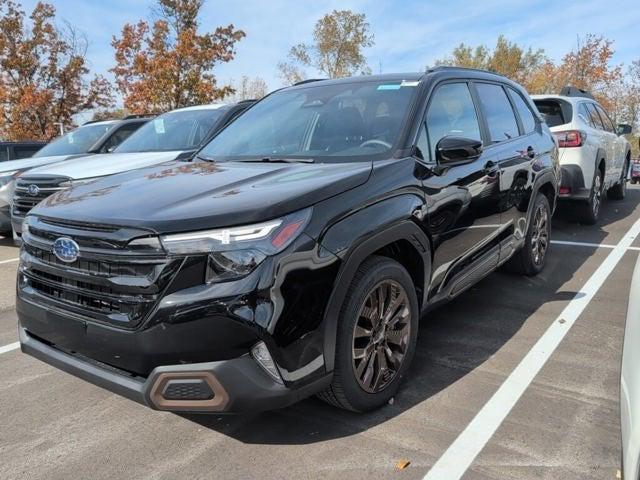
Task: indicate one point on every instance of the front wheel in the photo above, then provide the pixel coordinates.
(376, 338)
(530, 259)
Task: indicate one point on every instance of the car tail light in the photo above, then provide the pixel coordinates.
(565, 190)
(570, 138)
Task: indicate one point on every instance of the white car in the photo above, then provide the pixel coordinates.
(174, 135)
(630, 384)
(594, 155)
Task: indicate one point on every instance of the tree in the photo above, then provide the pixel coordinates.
(43, 74)
(169, 64)
(507, 58)
(109, 114)
(249, 89)
(338, 40)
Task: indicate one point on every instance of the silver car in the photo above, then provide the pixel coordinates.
(630, 384)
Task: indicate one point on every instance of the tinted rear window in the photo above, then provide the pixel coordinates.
(554, 112)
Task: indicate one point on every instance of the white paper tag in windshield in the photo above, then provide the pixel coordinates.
(71, 137)
(158, 124)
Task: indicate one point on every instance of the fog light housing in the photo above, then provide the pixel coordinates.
(260, 354)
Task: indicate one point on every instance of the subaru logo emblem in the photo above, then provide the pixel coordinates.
(33, 190)
(66, 250)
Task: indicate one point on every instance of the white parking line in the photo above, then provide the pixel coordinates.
(9, 348)
(590, 245)
(455, 461)
(9, 261)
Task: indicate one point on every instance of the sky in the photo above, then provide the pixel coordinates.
(409, 34)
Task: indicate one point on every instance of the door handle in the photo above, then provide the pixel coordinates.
(491, 168)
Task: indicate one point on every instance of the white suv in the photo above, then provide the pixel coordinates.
(593, 154)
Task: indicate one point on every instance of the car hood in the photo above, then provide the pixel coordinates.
(28, 163)
(103, 164)
(184, 196)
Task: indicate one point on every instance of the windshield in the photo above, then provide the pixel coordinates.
(180, 130)
(324, 122)
(77, 141)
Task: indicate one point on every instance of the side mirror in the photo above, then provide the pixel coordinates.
(623, 129)
(111, 148)
(451, 150)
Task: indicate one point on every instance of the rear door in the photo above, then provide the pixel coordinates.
(515, 147)
(604, 141)
(463, 215)
(615, 145)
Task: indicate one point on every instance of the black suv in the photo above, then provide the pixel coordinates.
(296, 253)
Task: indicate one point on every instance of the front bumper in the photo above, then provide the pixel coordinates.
(238, 385)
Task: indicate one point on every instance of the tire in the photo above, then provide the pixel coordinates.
(531, 258)
(356, 384)
(589, 211)
(619, 190)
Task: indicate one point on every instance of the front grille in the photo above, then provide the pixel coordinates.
(24, 199)
(108, 283)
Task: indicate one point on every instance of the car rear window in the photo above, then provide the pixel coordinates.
(554, 112)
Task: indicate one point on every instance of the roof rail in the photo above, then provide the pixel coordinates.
(570, 91)
(248, 100)
(454, 67)
(308, 80)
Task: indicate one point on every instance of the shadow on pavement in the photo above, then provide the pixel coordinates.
(453, 341)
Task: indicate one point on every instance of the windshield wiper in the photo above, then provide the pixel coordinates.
(280, 160)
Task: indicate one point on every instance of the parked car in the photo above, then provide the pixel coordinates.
(594, 155)
(74, 144)
(18, 150)
(630, 384)
(295, 255)
(635, 171)
(173, 135)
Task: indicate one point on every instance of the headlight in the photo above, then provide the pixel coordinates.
(234, 252)
(7, 177)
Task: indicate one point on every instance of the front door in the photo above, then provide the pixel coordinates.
(462, 200)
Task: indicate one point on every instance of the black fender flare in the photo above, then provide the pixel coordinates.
(356, 254)
(546, 177)
(601, 154)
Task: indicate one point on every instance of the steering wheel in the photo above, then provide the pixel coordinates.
(375, 141)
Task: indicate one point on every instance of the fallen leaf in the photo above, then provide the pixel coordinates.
(402, 464)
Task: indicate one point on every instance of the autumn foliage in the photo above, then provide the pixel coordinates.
(168, 64)
(43, 74)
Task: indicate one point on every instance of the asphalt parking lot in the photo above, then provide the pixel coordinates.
(565, 424)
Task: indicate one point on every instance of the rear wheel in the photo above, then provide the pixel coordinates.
(590, 210)
(530, 259)
(376, 338)
(619, 190)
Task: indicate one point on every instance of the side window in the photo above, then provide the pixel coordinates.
(527, 118)
(608, 124)
(594, 117)
(498, 112)
(120, 135)
(586, 116)
(451, 113)
(4, 153)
